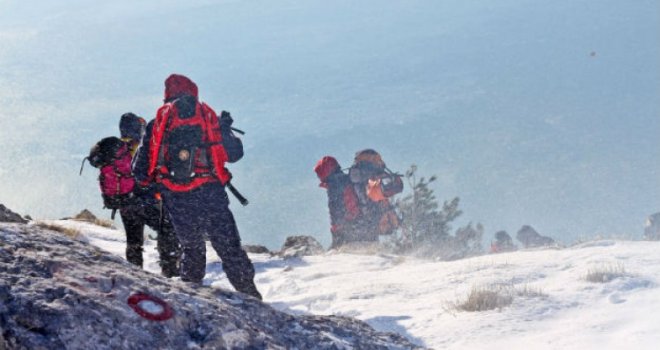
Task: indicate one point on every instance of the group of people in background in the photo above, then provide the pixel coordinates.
(527, 236)
(359, 199)
(170, 174)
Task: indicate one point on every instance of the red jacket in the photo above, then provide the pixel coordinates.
(167, 118)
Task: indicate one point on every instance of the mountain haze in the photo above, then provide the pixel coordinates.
(532, 112)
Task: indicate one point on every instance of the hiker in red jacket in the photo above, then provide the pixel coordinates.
(185, 150)
(342, 201)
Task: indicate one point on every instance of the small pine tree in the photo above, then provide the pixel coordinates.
(423, 224)
(468, 240)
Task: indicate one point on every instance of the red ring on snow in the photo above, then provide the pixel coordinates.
(135, 300)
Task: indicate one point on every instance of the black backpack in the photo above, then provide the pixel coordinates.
(104, 152)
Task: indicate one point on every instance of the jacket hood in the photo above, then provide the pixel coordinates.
(325, 167)
(177, 85)
(131, 126)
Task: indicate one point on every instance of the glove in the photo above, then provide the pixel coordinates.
(226, 120)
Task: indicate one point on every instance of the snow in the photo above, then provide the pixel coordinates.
(417, 298)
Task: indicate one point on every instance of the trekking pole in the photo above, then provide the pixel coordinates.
(237, 130)
(237, 194)
(160, 210)
(161, 219)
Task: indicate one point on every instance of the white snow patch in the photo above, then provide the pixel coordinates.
(414, 297)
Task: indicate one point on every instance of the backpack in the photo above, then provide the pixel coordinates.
(112, 157)
(184, 151)
(368, 168)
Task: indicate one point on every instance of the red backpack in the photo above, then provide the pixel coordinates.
(113, 158)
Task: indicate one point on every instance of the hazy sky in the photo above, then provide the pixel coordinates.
(532, 112)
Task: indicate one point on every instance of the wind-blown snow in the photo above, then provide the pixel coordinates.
(415, 298)
(533, 112)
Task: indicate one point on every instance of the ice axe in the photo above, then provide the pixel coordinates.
(237, 194)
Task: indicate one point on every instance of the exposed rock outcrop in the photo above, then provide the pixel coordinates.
(57, 293)
(297, 246)
(652, 228)
(529, 238)
(86, 215)
(6, 215)
(256, 249)
(503, 243)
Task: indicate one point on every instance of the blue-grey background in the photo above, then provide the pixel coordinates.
(532, 112)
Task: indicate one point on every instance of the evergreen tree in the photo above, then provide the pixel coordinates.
(468, 240)
(423, 223)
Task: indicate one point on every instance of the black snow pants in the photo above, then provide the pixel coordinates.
(144, 212)
(204, 212)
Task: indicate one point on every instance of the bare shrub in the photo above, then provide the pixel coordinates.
(486, 298)
(104, 223)
(605, 273)
(491, 297)
(530, 292)
(70, 232)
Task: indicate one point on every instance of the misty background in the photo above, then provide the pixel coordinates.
(532, 112)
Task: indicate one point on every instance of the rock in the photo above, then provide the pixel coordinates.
(503, 243)
(652, 228)
(87, 216)
(256, 249)
(532, 239)
(58, 293)
(6, 215)
(297, 246)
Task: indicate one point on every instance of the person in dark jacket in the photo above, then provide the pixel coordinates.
(342, 202)
(145, 209)
(185, 150)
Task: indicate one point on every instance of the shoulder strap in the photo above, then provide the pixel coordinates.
(161, 124)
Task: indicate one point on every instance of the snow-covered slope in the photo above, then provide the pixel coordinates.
(554, 306)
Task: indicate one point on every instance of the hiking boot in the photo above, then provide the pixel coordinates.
(252, 291)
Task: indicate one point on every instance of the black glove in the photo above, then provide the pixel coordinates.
(226, 120)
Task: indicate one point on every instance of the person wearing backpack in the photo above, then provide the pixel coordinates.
(137, 206)
(184, 151)
(374, 185)
(342, 201)
(146, 209)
